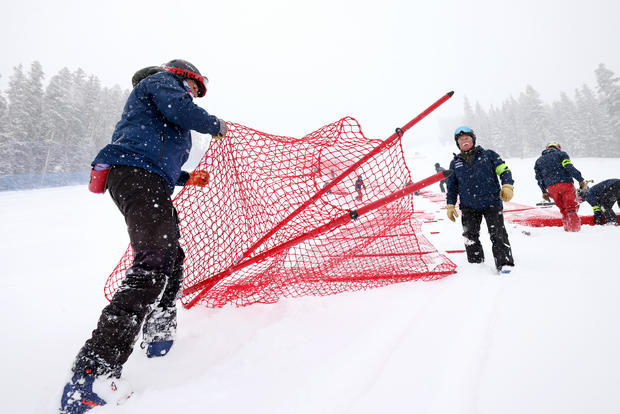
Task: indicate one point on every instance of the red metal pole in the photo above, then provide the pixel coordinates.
(386, 143)
(205, 285)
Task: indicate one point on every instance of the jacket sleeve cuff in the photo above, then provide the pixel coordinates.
(183, 178)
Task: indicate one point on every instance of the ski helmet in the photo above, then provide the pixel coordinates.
(186, 70)
(464, 130)
(554, 144)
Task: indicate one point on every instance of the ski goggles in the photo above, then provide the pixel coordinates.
(202, 80)
(463, 130)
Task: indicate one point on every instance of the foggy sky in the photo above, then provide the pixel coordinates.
(289, 67)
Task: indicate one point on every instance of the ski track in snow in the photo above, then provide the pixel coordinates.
(391, 341)
(462, 344)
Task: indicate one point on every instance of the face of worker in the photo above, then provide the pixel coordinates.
(465, 142)
(193, 86)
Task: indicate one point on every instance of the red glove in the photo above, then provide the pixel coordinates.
(199, 178)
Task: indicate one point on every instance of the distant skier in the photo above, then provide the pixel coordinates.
(475, 182)
(143, 164)
(602, 197)
(555, 173)
(332, 175)
(359, 186)
(439, 168)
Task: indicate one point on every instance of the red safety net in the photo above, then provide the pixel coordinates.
(258, 180)
(539, 216)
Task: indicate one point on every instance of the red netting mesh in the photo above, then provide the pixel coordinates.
(258, 179)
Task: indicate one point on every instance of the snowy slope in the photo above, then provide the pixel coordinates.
(542, 340)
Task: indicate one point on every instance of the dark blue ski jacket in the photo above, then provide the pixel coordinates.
(154, 130)
(476, 182)
(554, 166)
(595, 193)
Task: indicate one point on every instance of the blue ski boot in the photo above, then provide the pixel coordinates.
(86, 391)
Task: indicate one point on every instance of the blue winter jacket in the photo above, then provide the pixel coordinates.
(554, 166)
(596, 192)
(154, 130)
(476, 182)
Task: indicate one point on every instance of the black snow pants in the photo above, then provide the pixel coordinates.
(152, 283)
(472, 220)
(607, 201)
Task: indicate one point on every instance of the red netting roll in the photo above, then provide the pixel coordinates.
(258, 180)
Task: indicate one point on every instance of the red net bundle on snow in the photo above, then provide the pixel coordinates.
(257, 181)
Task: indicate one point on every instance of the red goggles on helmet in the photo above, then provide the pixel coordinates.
(202, 80)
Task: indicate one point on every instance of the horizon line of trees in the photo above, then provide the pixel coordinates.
(60, 127)
(56, 128)
(586, 126)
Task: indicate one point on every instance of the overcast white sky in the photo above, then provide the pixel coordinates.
(289, 67)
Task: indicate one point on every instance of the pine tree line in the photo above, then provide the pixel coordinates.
(60, 127)
(586, 126)
(56, 128)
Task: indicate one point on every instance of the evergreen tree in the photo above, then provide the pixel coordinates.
(110, 108)
(564, 124)
(469, 112)
(19, 120)
(469, 118)
(535, 122)
(34, 95)
(609, 93)
(78, 122)
(510, 127)
(3, 108)
(59, 129)
(23, 127)
(4, 144)
(94, 118)
(91, 120)
(57, 109)
(522, 127)
(481, 126)
(594, 125)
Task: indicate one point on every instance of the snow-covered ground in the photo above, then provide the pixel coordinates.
(545, 339)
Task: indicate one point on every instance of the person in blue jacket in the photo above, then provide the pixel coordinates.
(602, 197)
(554, 173)
(143, 162)
(475, 183)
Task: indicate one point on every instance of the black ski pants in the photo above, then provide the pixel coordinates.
(494, 218)
(607, 201)
(153, 280)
